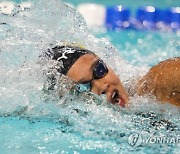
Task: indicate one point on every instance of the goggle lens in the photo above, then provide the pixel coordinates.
(100, 70)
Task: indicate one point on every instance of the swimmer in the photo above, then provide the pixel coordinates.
(86, 68)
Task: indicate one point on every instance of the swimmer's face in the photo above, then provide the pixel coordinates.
(88, 68)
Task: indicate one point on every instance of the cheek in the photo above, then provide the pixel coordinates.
(78, 74)
(94, 90)
(112, 77)
(84, 73)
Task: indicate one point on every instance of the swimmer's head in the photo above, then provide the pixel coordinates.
(84, 67)
(67, 56)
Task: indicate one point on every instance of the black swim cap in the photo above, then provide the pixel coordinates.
(66, 55)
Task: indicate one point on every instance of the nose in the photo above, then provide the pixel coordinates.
(108, 85)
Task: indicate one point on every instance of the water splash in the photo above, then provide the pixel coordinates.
(80, 122)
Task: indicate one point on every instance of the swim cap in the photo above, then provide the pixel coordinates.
(66, 55)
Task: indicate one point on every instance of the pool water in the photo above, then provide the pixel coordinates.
(132, 44)
(144, 47)
(35, 121)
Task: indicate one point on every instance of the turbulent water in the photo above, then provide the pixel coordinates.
(34, 120)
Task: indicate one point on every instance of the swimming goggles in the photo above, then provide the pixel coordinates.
(99, 71)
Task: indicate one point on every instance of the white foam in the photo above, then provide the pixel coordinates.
(76, 122)
(23, 74)
(70, 5)
(25, 5)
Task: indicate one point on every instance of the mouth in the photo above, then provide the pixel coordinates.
(117, 99)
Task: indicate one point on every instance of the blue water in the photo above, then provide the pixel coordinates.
(132, 44)
(33, 121)
(145, 47)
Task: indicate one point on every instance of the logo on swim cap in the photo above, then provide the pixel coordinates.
(64, 52)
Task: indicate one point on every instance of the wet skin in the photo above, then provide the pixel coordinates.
(82, 72)
(163, 81)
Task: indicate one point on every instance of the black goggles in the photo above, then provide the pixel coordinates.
(99, 71)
